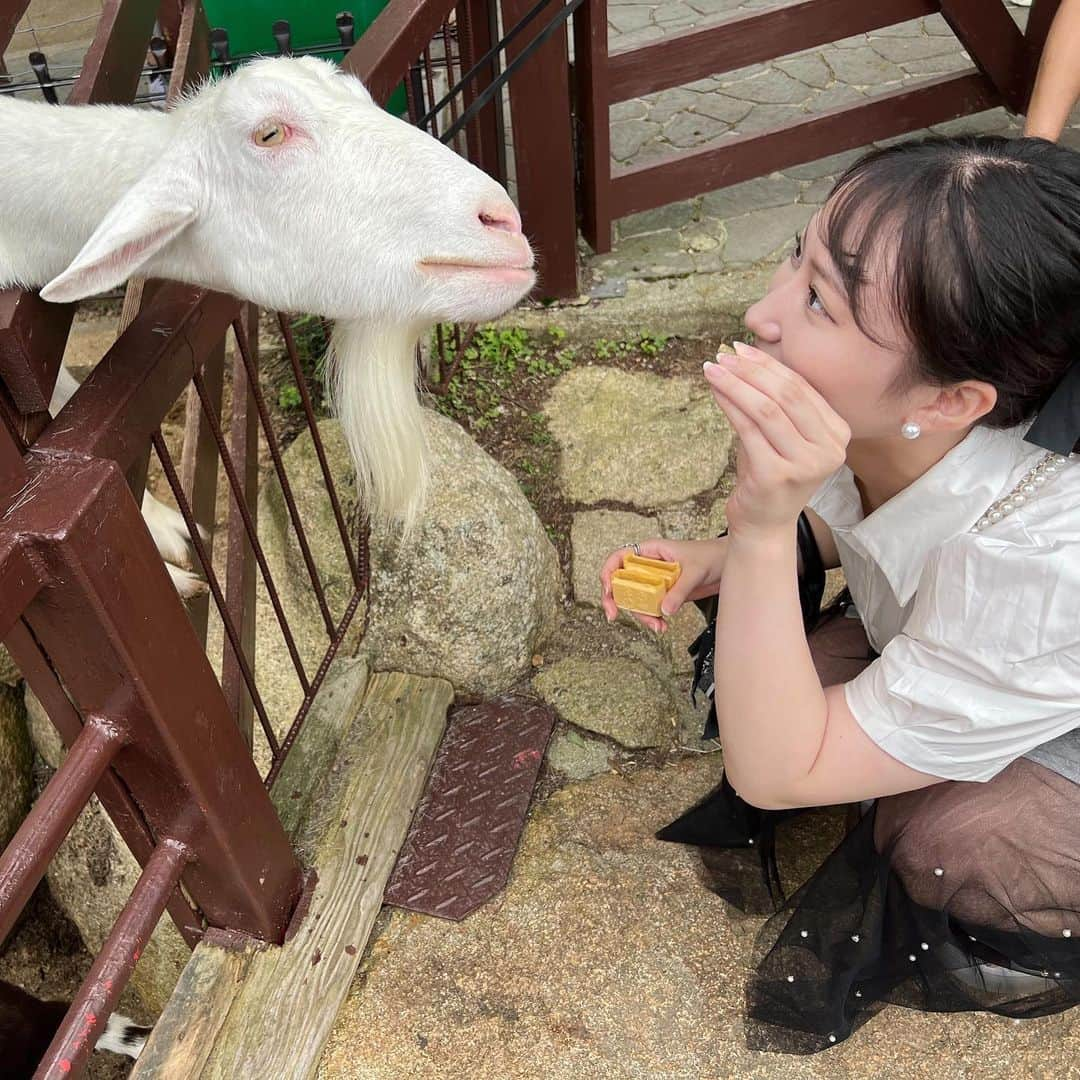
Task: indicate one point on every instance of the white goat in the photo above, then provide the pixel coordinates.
(286, 185)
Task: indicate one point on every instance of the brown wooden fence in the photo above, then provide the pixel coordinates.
(1003, 67)
(86, 607)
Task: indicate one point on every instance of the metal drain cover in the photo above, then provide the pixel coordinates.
(466, 830)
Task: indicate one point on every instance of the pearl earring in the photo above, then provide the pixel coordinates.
(911, 430)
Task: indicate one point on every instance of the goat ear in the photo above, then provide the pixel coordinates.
(134, 230)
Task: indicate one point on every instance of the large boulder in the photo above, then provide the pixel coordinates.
(476, 591)
(468, 598)
(93, 874)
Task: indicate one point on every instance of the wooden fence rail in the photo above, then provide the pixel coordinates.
(1004, 63)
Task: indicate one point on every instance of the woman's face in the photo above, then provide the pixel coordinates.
(805, 322)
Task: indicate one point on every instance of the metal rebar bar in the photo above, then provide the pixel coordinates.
(207, 563)
(109, 974)
(445, 379)
(316, 438)
(26, 858)
(526, 53)
(253, 537)
(449, 56)
(283, 478)
(430, 84)
(494, 51)
(466, 55)
(305, 705)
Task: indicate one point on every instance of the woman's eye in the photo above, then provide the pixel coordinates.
(813, 301)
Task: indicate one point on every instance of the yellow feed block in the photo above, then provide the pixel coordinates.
(642, 584)
(633, 594)
(669, 571)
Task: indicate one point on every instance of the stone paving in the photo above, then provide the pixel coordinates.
(746, 223)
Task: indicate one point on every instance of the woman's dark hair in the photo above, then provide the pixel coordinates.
(987, 278)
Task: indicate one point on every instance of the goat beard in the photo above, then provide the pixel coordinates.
(373, 380)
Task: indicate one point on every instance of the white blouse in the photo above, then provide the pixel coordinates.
(979, 631)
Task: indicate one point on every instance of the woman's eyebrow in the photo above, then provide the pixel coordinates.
(832, 279)
(830, 276)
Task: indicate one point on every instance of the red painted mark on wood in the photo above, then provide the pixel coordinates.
(526, 757)
(350, 949)
(361, 860)
(65, 1065)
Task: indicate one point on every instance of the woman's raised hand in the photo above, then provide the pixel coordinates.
(790, 438)
(701, 564)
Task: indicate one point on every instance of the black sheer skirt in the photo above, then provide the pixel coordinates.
(957, 897)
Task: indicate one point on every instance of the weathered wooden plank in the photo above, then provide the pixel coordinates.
(184, 1035)
(290, 997)
(281, 1013)
(312, 755)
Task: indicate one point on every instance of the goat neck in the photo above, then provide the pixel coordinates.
(63, 169)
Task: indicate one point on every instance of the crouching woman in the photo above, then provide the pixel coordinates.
(930, 311)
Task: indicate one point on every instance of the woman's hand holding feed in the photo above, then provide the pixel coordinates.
(790, 439)
(701, 563)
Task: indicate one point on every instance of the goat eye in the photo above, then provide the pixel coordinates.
(270, 134)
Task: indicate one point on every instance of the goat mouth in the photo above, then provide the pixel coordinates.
(499, 270)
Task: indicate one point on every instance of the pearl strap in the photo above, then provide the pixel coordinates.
(1030, 484)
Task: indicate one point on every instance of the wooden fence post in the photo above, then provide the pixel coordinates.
(544, 149)
(594, 131)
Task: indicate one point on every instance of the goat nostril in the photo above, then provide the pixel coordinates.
(506, 219)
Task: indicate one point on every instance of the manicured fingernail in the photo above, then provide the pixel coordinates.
(726, 359)
(743, 349)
